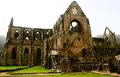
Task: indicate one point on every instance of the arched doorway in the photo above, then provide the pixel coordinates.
(26, 55)
(38, 56)
(14, 55)
(84, 53)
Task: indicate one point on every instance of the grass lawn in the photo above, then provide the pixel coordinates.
(70, 75)
(11, 67)
(30, 72)
(35, 69)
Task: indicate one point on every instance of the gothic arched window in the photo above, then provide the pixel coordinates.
(27, 33)
(75, 26)
(37, 36)
(16, 34)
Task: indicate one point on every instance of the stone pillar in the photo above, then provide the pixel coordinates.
(44, 52)
(20, 55)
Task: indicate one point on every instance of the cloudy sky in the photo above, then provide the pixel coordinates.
(44, 13)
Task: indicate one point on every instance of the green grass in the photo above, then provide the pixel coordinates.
(30, 72)
(11, 67)
(70, 75)
(35, 69)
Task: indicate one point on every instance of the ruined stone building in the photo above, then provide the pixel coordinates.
(24, 46)
(69, 42)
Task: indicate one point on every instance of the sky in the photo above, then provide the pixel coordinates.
(44, 13)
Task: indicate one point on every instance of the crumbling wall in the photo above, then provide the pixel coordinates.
(109, 37)
(24, 46)
(71, 37)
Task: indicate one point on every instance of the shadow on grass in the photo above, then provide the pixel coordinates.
(31, 70)
(12, 68)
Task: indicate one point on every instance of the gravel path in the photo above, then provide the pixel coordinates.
(2, 74)
(106, 72)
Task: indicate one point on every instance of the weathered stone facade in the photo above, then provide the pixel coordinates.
(24, 45)
(69, 42)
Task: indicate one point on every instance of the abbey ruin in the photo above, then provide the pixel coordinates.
(69, 45)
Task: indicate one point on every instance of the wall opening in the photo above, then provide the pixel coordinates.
(16, 34)
(84, 53)
(37, 36)
(27, 35)
(46, 35)
(75, 26)
(14, 53)
(38, 56)
(26, 55)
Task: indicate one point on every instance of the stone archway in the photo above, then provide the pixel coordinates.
(14, 55)
(38, 56)
(75, 26)
(16, 34)
(14, 52)
(26, 56)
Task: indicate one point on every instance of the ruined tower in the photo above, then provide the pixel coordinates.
(71, 39)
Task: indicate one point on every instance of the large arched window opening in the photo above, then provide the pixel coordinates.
(75, 26)
(14, 52)
(38, 56)
(16, 34)
(37, 36)
(46, 34)
(27, 35)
